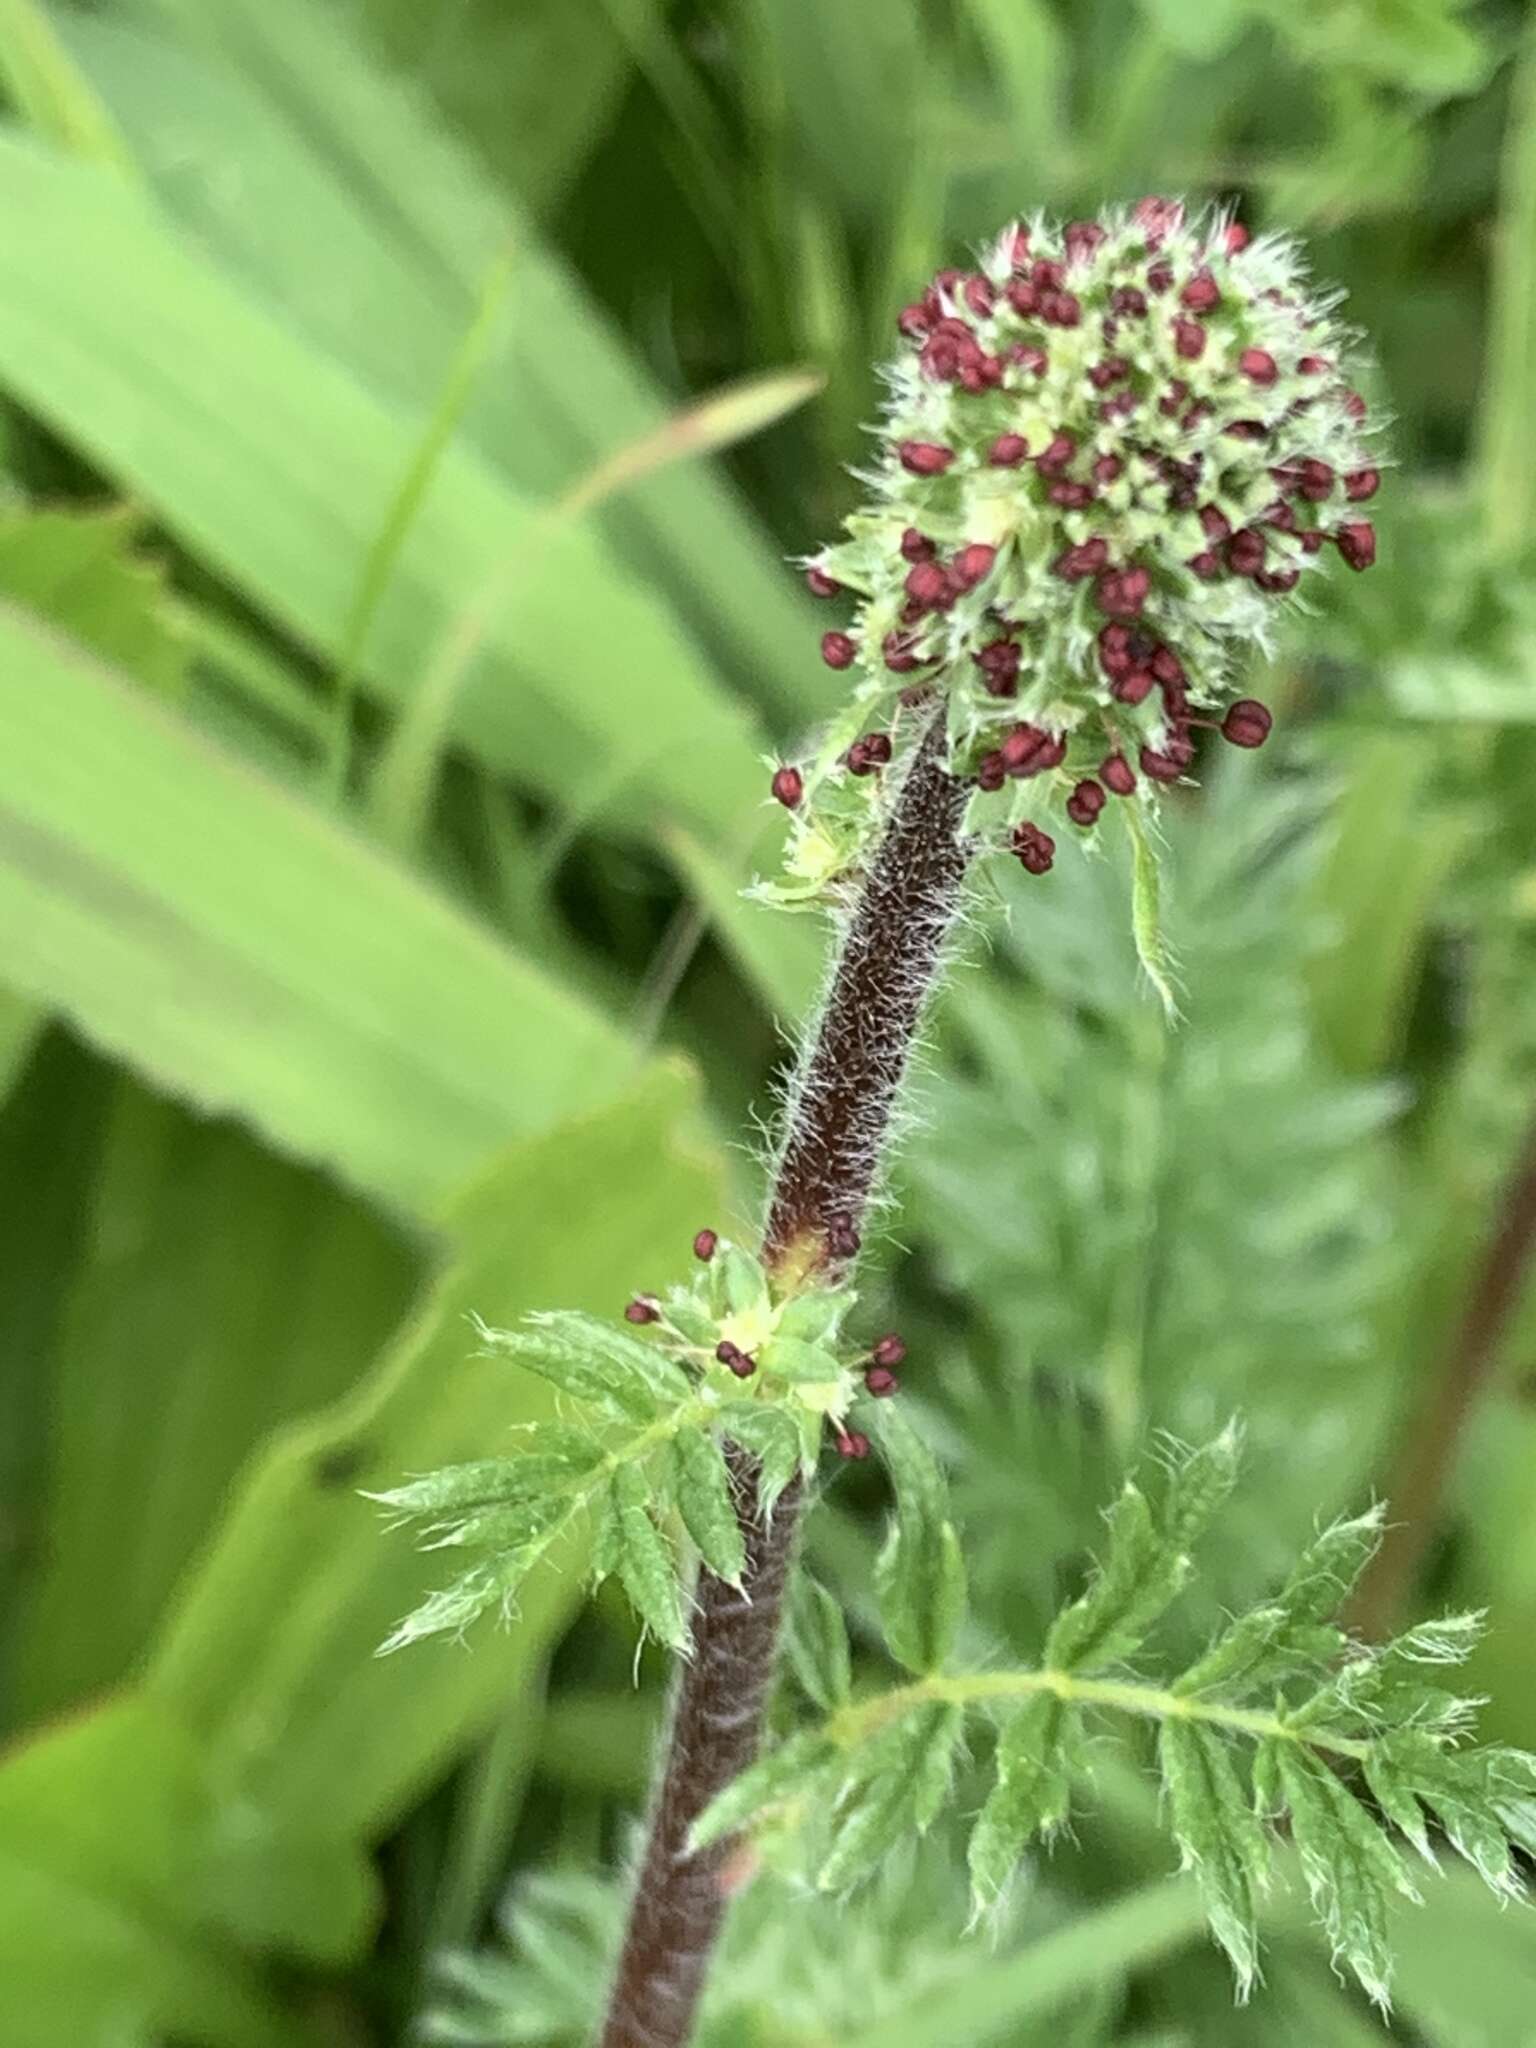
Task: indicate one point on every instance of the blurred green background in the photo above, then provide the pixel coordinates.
(405, 413)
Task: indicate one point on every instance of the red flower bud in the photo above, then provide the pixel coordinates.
(1035, 849)
(1132, 688)
(900, 652)
(1057, 453)
(1356, 541)
(925, 458)
(1235, 237)
(1245, 551)
(851, 1443)
(927, 584)
(1258, 366)
(881, 1383)
(889, 1350)
(1189, 340)
(1361, 484)
(1162, 767)
(820, 584)
(1247, 723)
(1007, 451)
(1106, 469)
(642, 1310)
(789, 787)
(1085, 802)
(704, 1245)
(973, 564)
(1117, 775)
(837, 650)
(991, 772)
(913, 322)
(870, 753)
(1020, 746)
(1201, 293)
(917, 547)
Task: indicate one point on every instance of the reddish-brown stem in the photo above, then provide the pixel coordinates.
(1430, 1444)
(837, 1132)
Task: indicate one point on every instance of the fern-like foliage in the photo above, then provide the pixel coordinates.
(1359, 1753)
(639, 1450)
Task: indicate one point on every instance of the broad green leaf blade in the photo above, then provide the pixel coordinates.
(274, 134)
(274, 465)
(217, 1293)
(201, 924)
(268, 1655)
(48, 89)
(123, 1883)
(78, 570)
(706, 1502)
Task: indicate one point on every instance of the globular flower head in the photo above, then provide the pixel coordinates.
(1111, 455)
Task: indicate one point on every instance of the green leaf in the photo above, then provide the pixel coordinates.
(47, 88)
(815, 1317)
(268, 1655)
(707, 1504)
(1146, 913)
(1506, 431)
(554, 1456)
(594, 1361)
(801, 1363)
(1031, 1796)
(920, 1572)
(1219, 1838)
(894, 1784)
(79, 570)
(816, 1642)
(1350, 1867)
(774, 1441)
(646, 1567)
(782, 1775)
(341, 985)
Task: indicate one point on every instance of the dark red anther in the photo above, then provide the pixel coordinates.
(1035, 849)
(1023, 297)
(843, 1239)
(925, 458)
(888, 1350)
(837, 650)
(1201, 293)
(914, 321)
(917, 547)
(1047, 273)
(1129, 303)
(1158, 218)
(999, 663)
(1166, 666)
(1361, 484)
(739, 1361)
(820, 584)
(1206, 565)
(1244, 430)
(1278, 581)
(1311, 539)
(1117, 775)
(1056, 453)
(1355, 405)
(1245, 551)
(1061, 309)
(1028, 357)
(1123, 591)
(1082, 238)
(978, 295)
(851, 1443)
(1215, 522)
(1172, 400)
(705, 1244)
(1085, 803)
(1106, 469)
(900, 652)
(927, 584)
(788, 786)
(1247, 723)
(1075, 564)
(1134, 687)
(1072, 496)
(1235, 237)
(1016, 247)
(1115, 656)
(881, 1382)
(1258, 366)
(1189, 340)
(1007, 451)
(1356, 540)
(1281, 516)
(1162, 767)
(941, 358)
(1160, 278)
(1021, 747)
(973, 564)
(869, 753)
(1314, 366)
(642, 1310)
(990, 772)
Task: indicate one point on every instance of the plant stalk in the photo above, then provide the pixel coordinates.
(837, 1132)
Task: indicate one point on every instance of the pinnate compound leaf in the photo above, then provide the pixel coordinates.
(896, 1781)
(1031, 1796)
(645, 1565)
(786, 1773)
(816, 1643)
(920, 1573)
(1219, 1837)
(702, 1486)
(593, 1361)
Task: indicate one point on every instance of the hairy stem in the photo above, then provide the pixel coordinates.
(1427, 1456)
(837, 1132)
